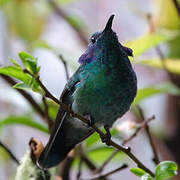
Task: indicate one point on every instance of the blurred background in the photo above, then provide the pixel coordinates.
(50, 28)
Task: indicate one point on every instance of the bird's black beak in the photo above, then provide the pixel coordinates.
(109, 24)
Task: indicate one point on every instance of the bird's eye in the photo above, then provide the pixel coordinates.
(93, 40)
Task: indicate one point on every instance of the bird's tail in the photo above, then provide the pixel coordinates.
(55, 150)
(66, 133)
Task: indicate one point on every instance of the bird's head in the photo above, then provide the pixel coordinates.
(103, 41)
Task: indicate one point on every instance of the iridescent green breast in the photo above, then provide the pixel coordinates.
(104, 92)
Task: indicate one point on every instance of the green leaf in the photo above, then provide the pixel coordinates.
(52, 108)
(92, 139)
(23, 120)
(16, 72)
(3, 2)
(166, 170)
(173, 65)
(149, 91)
(22, 86)
(144, 43)
(29, 62)
(15, 63)
(146, 177)
(138, 171)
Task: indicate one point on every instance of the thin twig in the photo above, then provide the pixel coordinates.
(107, 161)
(26, 95)
(9, 152)
(110, 173)
(79, 169)
(68, 109)
(65, 66)
(177, 7)
(60, 12)
(162, 58)
(157, 47)
(65, 167)
(79, 151)
(48, 119)
(88, 162)
(156, 158)
(142, 126)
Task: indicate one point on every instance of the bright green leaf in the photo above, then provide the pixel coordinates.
(173, 65)
(92, 139)
(149, 91)
(3, 2)
(29, 62)
(166, 170)
(16, 72)
(144, 43)
(146, 177)
(22, 120)
(52, 108)
(22, 86)
(15, 62)
(138, 171)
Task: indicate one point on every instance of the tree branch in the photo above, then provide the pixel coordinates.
(142, 126)
(65, 166)
(177, 7)
(155, 159)
(110, 173)
(68, 109)
(89, 164)
(9, 152)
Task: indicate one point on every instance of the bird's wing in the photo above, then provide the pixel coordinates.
(66, 97)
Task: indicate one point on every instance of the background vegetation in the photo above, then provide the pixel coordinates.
(45, 39)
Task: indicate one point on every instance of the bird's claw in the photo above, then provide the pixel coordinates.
(107, 137)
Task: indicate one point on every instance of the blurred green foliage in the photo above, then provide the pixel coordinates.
(23, 120)
(27, 20)
(164, 170)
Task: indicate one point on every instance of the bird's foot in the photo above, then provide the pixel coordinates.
(90, 120)
(107, 137)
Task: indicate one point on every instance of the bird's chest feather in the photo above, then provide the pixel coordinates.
(102, 93)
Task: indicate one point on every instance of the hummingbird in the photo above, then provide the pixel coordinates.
(102, 89)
